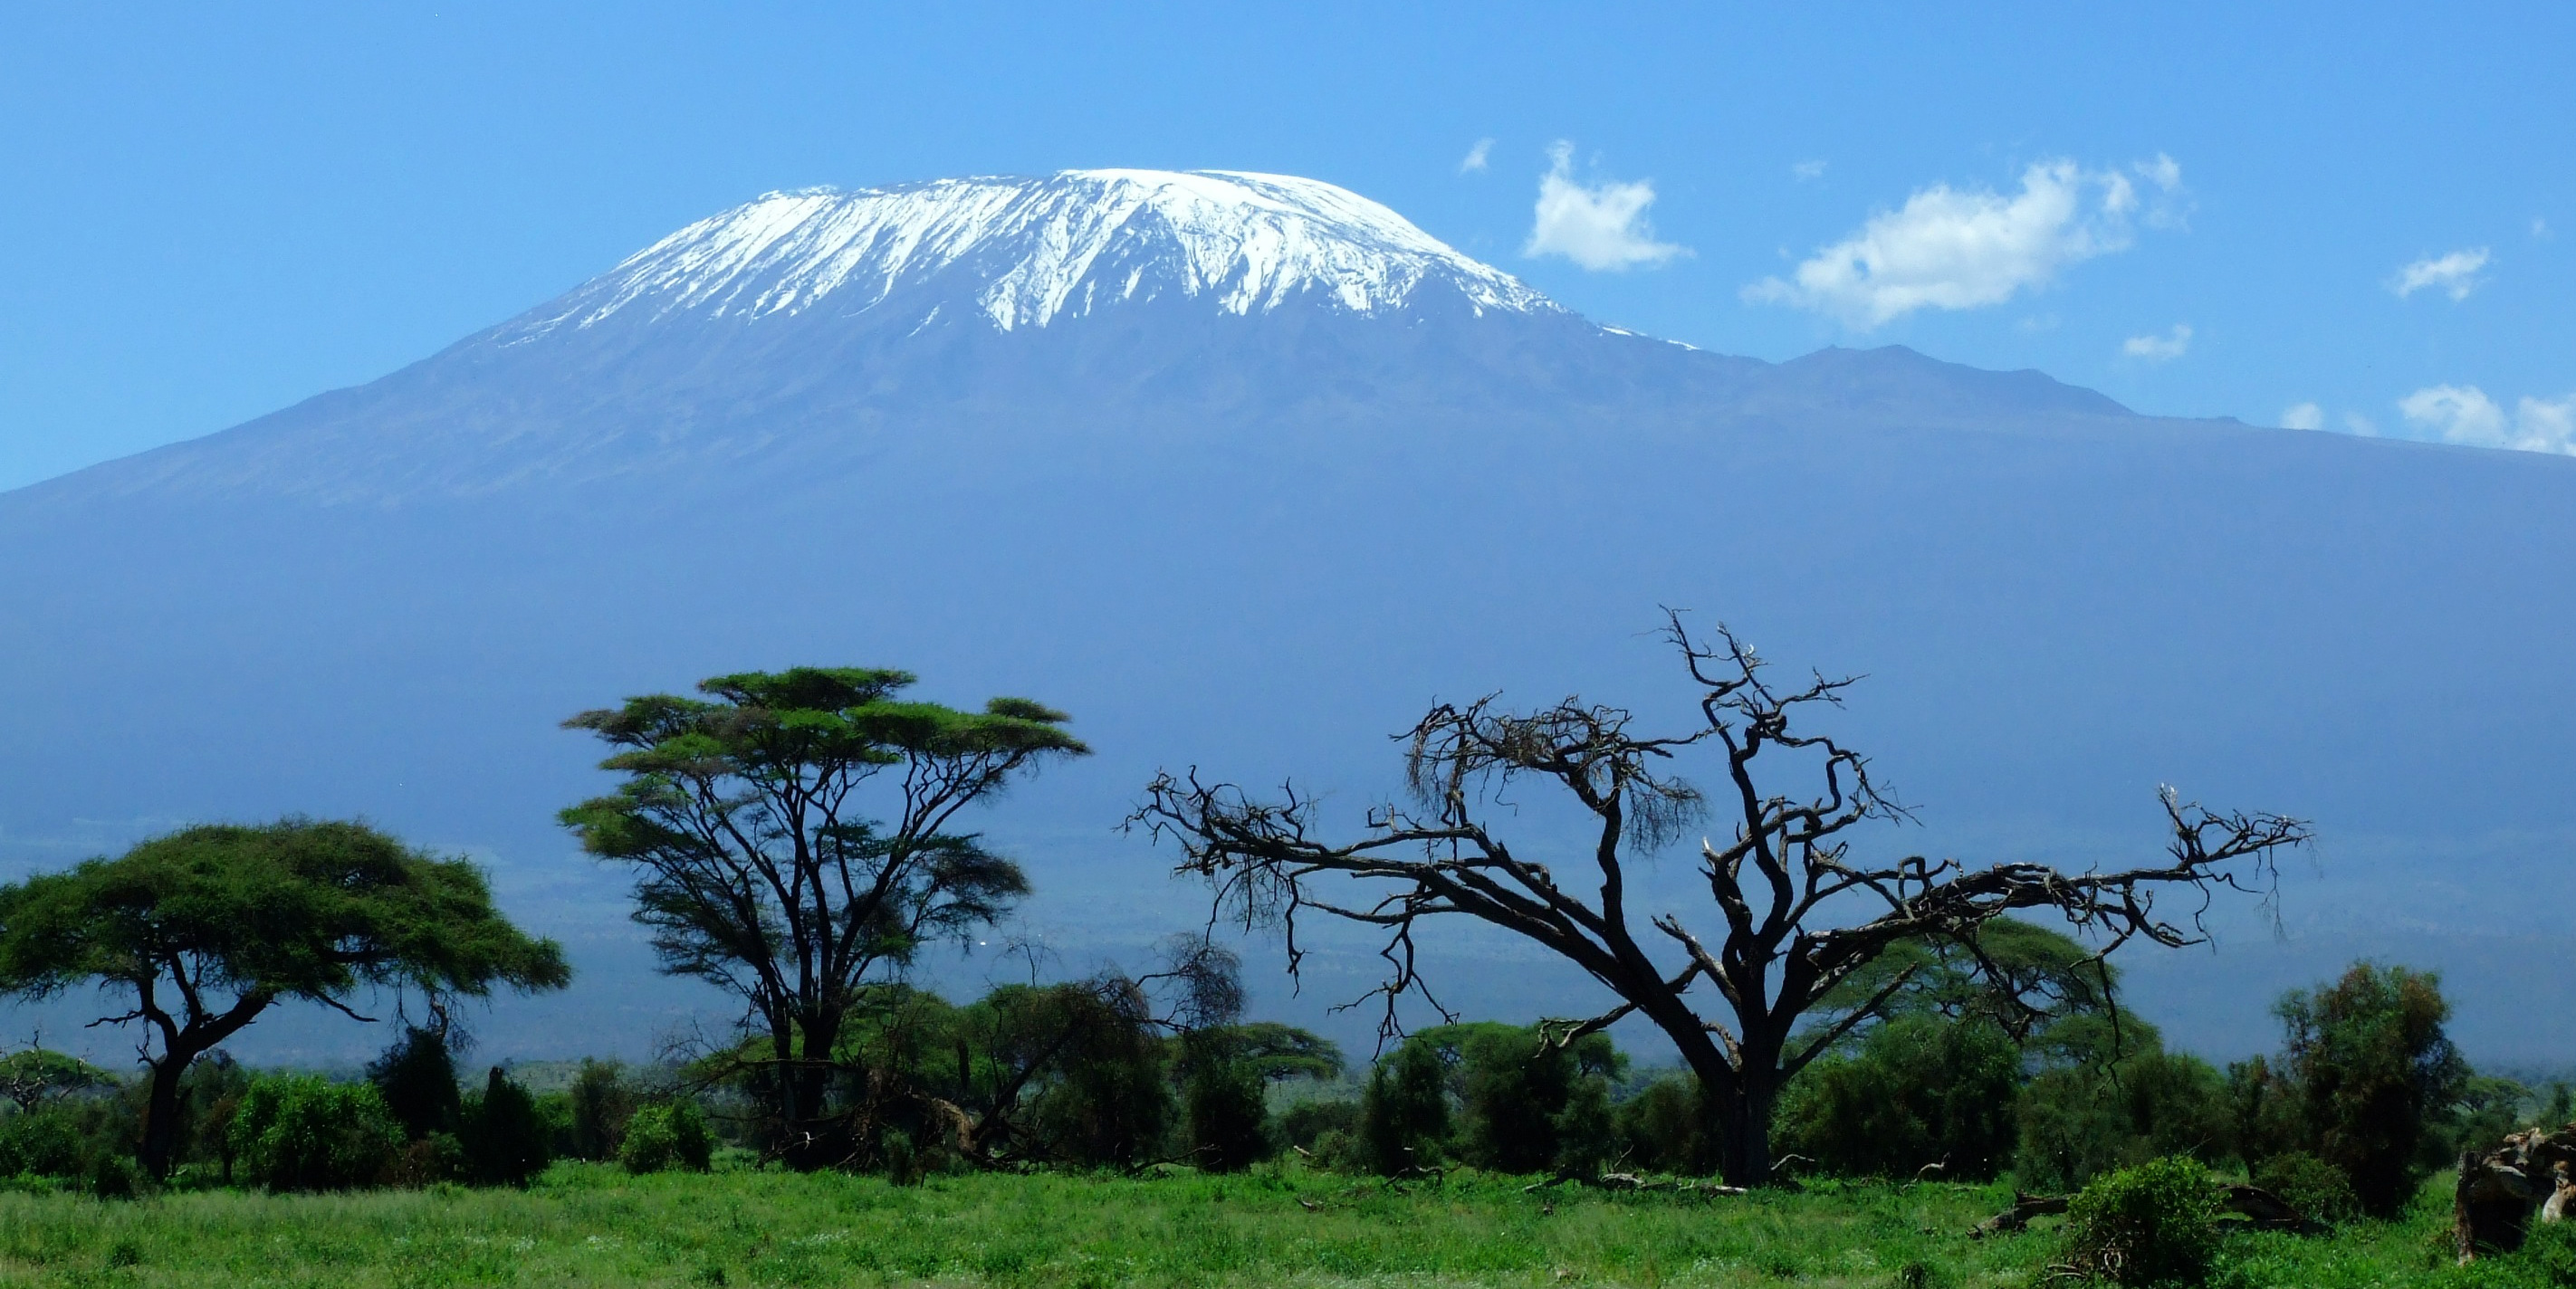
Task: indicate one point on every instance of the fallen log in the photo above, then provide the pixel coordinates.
(2261, 1209)
(2265, 1211)
(2025, 1207)
(1633, 1182)
(2502, 1191)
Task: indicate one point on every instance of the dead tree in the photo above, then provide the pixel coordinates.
(1796, 914)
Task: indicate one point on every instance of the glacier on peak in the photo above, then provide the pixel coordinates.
(1028, 251)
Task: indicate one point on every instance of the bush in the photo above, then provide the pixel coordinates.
(1587, 1137)
(2077, 1123)
(1404, 1114)
(2550, 1254)
(417, 1076)
(1658, 1129)
(670, 1135)
(2310, 1185)
(303, 1133)
(1228, 1115)
(504, 1137)
(599, 1104)
(2148, 1225)
(1922, 1090)
(2372, 1067)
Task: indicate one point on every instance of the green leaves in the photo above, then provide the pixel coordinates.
(296, 908)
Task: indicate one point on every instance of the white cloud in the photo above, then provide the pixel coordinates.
(1955, 249)
(2540, 228)
(2158, 349)
(2455, 273)
(2164, 172)
(1477, 156)
(2303, 416)
(1599, 227)
(2464, 414)
(1807, 170)
(2359, 424)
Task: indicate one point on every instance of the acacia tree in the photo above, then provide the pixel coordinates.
(759, 868)
(211, 926)
(1796, 914)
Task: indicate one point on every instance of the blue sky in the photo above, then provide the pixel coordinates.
(2365, 213)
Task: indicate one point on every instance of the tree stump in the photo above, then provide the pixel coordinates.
(2503, 1191)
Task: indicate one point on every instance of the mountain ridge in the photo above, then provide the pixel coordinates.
(1258, 542)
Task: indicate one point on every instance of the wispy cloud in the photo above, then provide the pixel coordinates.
(1806, 171)
(1950, 248)
(2455, 274)
(1477, 156)
(2159, 349)
(2464, 414)
(2303, 416)
(1601, 227)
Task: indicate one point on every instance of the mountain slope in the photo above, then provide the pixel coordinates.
(1313, 472)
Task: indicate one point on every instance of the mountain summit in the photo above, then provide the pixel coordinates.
(1244, 471)
(1022, 252)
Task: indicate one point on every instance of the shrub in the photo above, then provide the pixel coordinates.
(1404, 1114)
(1228, 1116)
(504, 1137)
(600, 1103)
(672, 1134)
(1586, 1137)
(2148, 1225)
(1922, 1090)
(2310, 1185)
(2550, 1254)
(2372, 1067)
(303, 1133)
(1659, 1128)
(2077, 1123)
(417, 1077)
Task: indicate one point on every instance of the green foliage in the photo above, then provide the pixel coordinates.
(1512, 1085)
(2549, 1254)
(1404, 1114)
(1106, 1101)
(504, 1136)
(1922, 1090)
(731, 802)
(1586, 1134)
(2148, 1225)
(1327, 1130)
(2373, 1067)
(1227, 1114)
(666, 1135)
(417, 1077)
(598, 1103)
(2077, 1122)
(299, 909)
(32, 1076)
(224, 920)
(2310, 1185)
(1658, 1128)
(304, 1133)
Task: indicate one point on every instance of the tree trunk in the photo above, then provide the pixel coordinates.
(161, 1114)
(1744, 1134)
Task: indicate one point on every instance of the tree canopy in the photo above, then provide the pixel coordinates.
(792, 841)
(210, 926)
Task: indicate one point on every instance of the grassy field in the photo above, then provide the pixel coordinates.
(593, 1225)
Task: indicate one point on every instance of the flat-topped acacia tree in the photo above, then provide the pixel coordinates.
(1791, 914)
(209, 927)
(790, 840)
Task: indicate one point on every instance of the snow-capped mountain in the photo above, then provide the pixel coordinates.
(1243, 471)
(1021, 252)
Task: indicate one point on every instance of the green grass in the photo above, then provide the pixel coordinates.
(592, 1225)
